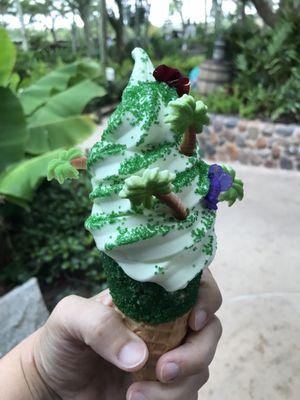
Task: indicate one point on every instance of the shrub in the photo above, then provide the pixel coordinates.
(50, 241)
(268, 69)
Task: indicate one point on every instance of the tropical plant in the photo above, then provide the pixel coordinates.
(40, 120)
(141, 189)
(187, 116)
(51, 244)
(270, 83)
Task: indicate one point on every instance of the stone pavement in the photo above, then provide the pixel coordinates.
(258, 270)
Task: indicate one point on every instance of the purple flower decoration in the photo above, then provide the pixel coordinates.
(220, 181)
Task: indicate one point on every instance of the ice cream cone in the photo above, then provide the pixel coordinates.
(159, 339)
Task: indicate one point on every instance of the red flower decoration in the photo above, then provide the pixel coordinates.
(173, 78)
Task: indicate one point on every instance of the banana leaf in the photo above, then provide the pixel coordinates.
(13, 132)
(55, 82)
(7, 57)
(65, 133)
(58, 123)
(19, 181)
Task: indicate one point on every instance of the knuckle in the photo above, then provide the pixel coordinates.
(219, 327)
(64, 305)
(219, 298)
(205, 376)
(100, 326)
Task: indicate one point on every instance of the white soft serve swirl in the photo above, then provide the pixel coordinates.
(172, 254)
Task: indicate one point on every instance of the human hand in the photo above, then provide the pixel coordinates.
(85, 352)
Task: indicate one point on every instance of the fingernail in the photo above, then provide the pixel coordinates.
(170, 371)
(200, 319)
(132, 354)
(137, 396)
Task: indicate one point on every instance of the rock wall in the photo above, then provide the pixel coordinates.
(251, 142)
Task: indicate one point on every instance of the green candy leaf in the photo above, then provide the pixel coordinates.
(185, 112)
(61, 169)
(236, 192)
(140, 189)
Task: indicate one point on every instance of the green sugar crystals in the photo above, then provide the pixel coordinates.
(140, 104)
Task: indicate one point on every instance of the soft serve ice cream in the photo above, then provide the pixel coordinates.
(150, 245)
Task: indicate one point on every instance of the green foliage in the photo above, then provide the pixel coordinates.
(13, 132)
(50, 242)
(268, 69)
(237, 189)
(140, 189)
(29, 68)
(186, 111)
(40, 119)
(61, 169)
(181, 62)
(19, 181)
(226, 100)
(7, 57)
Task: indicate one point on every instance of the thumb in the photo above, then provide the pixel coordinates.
(101, 328)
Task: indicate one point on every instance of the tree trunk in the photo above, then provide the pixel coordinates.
(53, 33)
(118, 27)
(137, 30)
(25, 46)
(205, 16)
(266, 12)
(85, 16)
(103, 33)
(175, 203)
(79, 162)
(217, 4)
(74, 38)
(188, 144)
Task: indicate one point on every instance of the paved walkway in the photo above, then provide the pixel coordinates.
(257, 267)
(258, 270)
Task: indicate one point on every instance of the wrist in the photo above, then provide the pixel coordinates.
(36, 385)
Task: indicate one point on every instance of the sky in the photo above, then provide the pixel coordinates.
(159, 13)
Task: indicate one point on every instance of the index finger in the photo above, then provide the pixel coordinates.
(208, 302)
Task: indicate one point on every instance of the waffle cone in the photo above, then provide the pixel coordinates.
(159, 339)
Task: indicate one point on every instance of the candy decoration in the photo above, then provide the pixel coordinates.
(187, 116)
(237, 189)
(173, 78)
(66, 165)
(141, 189)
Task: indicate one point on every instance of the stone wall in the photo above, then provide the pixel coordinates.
(251, 142)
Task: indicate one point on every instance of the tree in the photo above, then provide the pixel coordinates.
(117, 23)
(187, 116)
(84, 10)
(103, 33)
(266, 10)
(22, 25)
(176, 7)
(141, 189)
(216, 11)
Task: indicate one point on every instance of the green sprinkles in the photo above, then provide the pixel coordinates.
(105, 190)
(104, 149)
(136, 299)
(208, 247)
(198, 234)
(99, 221)
(147, 231)
(144, 113)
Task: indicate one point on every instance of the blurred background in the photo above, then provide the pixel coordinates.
(63, 67)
